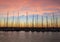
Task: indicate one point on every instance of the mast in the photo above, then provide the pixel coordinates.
(4, 22)
(53, 20)
(37, 20)
(42, 21)
(33, 21)
(7, 18)
(56, 22)
(18, 20)
(47, 21)
(27, 19)
(13, 20)
(0, 21)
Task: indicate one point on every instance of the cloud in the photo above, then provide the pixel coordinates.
(4, 6)
(52, 9)
(30, 5)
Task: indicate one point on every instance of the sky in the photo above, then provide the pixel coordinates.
(41, 7)
(31, 6)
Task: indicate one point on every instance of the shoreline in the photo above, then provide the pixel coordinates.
(38, 29)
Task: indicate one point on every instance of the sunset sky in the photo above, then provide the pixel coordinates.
(32, 6)
(40, 7)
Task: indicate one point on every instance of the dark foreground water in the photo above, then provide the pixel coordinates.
(29, 36)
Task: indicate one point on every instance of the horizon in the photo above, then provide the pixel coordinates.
(46, 12)
(52, 19)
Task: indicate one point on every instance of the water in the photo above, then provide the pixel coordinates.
(29, 36)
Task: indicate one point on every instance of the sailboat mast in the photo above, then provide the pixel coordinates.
(57, 22)
(53, 20)
(13, 20)
(47, 21)
(26, 19)
(18, 20)
(33, 20)
(42, 21)
(7, 18)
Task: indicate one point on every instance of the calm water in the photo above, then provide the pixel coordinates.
(29, 36)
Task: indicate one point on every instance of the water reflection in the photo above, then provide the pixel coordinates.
(23, 36)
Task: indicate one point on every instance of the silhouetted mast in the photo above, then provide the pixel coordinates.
(56, 22)
(18, 20)
(42, 21)
(33, 20)
(0, 21)
(4, 22)
(53, 20)
(13, 20)
(26, 19)
(7, 18)
(47, 21)
(3, 19)
(37, 20)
